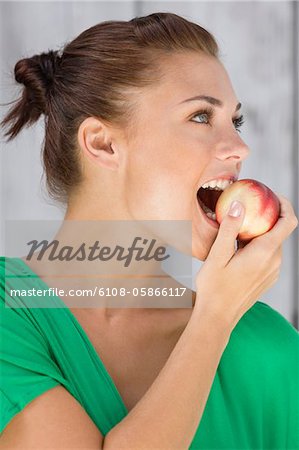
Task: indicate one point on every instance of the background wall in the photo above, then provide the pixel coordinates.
(259, 46)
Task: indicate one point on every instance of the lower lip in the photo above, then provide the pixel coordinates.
(211, 222)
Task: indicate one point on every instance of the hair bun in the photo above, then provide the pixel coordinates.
(37, 74)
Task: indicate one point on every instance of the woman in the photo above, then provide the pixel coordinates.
(139, 115)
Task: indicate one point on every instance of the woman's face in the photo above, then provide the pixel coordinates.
(179, 144)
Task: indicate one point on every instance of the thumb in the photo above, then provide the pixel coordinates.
(224, 245)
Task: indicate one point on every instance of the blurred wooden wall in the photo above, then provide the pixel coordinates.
(259, 46)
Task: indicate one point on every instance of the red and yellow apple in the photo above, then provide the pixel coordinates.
(262, 207)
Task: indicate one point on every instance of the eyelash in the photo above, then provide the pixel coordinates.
(238, 122)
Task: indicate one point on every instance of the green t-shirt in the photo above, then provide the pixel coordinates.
(253, 402)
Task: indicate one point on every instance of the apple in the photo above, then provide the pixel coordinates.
(262, 207)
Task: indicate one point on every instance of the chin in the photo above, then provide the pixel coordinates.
(201, 245)
(199, 251)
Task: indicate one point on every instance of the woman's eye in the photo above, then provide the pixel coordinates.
(203, 118)
(206, 116)
(238, 123)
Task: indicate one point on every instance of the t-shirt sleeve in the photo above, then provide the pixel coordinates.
(27, 369)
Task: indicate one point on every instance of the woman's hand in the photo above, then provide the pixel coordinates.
(230, 282)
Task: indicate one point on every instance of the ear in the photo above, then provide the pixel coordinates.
(94, 140)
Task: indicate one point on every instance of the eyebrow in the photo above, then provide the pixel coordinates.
(212, 100)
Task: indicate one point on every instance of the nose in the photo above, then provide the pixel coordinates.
(232, 147)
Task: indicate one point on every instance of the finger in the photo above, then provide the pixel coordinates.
(224, 245)
(286, 224)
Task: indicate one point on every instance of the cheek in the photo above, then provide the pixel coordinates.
(156, 188)
(160, 199)
(196, 147)
(162, 176)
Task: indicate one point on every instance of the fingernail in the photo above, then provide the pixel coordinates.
(235, 209)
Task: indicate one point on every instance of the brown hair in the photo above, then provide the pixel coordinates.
(92, 76)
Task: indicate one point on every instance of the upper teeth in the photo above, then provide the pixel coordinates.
(218, 184)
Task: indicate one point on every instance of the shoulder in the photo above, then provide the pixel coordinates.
(9, 274)
(12, 277)
(18, 322)
(269, 325)
(5, 263)
(10, 269)
(267, 338)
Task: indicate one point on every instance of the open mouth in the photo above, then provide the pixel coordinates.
(208, 197)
